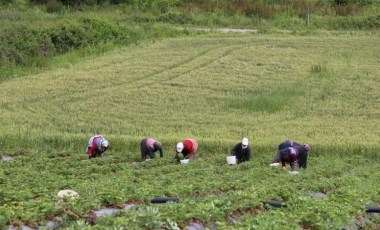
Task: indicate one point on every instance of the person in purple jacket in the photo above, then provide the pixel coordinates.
(293, 153)
(149, 146)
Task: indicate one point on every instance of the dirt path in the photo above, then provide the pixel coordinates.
(227, 30)
(223, 30)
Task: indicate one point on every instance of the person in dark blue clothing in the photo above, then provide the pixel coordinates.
(288, 149)
(242, 151)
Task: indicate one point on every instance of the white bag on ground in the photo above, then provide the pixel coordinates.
(67, 192)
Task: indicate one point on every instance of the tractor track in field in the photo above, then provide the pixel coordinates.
(147, 80)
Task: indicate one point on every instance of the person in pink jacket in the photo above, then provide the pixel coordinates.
(148, 147)
(96, 147)
(187, 147)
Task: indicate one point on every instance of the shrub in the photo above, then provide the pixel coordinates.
(54, 6)
(340, 2)
(174, 17)
(348, 10)
(25, 44)
(357, 2)
(371, 22)
(6, 2)
(20, 44)
(69, 35)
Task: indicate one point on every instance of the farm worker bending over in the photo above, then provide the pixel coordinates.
(97, 145)
(242, 151)
(289, 156)
(148, 148)
(302, 152)
(187, 147)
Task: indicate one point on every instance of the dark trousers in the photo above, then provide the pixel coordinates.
(95, 154)
(145, 151)
(295, 165)
(302, 159)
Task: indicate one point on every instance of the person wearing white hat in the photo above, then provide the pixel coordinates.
(242, 151)
(302, 151)
(96, 147)
(188, 147)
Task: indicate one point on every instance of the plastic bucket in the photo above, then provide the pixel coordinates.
(185, 161)
(231, 160)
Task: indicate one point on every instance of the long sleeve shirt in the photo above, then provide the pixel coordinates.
(149, 146)
(241, 154)
(190, 148)
(290, 156)
(93, 145)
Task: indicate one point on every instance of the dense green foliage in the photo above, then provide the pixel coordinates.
(230, 197)
(24, 42)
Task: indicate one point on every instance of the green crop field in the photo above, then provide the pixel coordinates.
(322, 89)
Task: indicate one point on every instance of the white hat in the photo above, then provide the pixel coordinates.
(180, 147)
(105, 143)
(244, 142)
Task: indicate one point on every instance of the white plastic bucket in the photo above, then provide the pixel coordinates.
(231, 160)
(185, 161)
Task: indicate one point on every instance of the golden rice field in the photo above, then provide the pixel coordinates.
(322, 89)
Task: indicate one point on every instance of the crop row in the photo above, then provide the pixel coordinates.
(209, 189)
